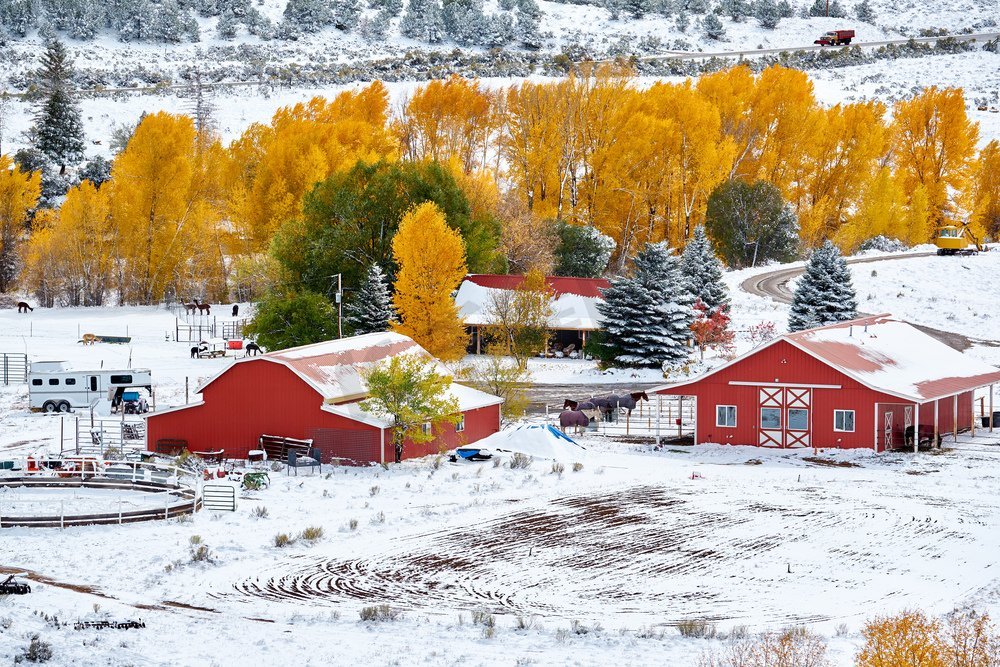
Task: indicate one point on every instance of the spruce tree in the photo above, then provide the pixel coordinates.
(647, 318)
(583, 251)
(767, 13)
(824, 294)
(422, 21)
(371, 308)
(863, 10)
(703, 272)
(713, 27)
(58, 128)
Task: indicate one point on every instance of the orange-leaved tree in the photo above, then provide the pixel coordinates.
(431, 258)
(19, 192)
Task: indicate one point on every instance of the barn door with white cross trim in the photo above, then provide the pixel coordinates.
(797, 403)
(887, 428)
(772, 404)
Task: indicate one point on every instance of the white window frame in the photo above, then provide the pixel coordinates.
(426, 428)
(717, 424)
(854, 423)
(460, 426)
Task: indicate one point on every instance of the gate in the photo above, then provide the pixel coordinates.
(784, 416)
(219, 497)
(13, 368)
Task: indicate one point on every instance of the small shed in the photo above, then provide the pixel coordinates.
(574, 305)
(875, 382)
(313, 392)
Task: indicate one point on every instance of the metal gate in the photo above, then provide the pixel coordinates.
(784, 416)
(13, 368)
(219, 497)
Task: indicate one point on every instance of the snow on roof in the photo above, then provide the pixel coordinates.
(885, 354)
(893, 356)
(468, 399)
(570, 310)
(539, 440)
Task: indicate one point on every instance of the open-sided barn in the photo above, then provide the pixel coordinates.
(312, 392)
(574, 305)
(863, 383)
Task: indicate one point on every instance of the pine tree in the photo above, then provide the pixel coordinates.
(713, 27)
(735, 9)
(824, 294)
(371, 308)
(18, 16)
(647, 318)
(583, 251)
(863, 10)
(785, 10)
(528, 23)
(422, 21)
(703, 271)
(58, 123)
(464, 21)
(767, 13)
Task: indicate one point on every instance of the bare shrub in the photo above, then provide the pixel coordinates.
(577, 467)
(496, 461)
(436, 462)
(378, 518)
(37, 651)
(201, 554)
(373, 491)
(259, 512)
(311, 534)
(282, 540)
(519, 461)
(791, 647)
(842, 630)
(524, 622)
(195, 540)
(697, 628)
(578, 628)
(558, 468)
(379, 613)
(353, 524)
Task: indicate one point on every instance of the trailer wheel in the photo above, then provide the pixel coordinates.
(64, 406)
(49, 407)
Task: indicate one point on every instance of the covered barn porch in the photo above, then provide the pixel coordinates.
(904, 425)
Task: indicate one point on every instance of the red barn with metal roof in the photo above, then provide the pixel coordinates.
(863, 383)
(313, 392)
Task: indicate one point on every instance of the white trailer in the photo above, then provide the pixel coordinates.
(53, 387)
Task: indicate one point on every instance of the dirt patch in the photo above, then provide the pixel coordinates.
(830, 463)
(184, 605)
(44, 579)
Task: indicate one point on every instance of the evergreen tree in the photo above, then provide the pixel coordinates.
(863, 10)
(713, 27)
(734, 9)
(17, 16)
(464, 21)
(703, 271)
(682, 21)
(647, 318)
(583, 251)
(785, 10)
(422, 21)
(824, 294)
(371, 308)
(58, 128)
(750, 224)
(97, 170)
(527, 25)
(284, 320)
(767, 13)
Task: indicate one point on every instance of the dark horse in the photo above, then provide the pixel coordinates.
(23, 307)
(574, 418)
(253, 349)
(610, 405)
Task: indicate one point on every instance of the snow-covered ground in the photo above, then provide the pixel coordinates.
(599, 562)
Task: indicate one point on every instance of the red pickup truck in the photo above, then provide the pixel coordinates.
(835, 38)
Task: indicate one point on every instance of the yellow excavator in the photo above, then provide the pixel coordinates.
(957, 240)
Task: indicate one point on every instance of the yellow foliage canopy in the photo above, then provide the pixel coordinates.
(431, 258)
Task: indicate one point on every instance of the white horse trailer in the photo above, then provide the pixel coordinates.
(52, 387)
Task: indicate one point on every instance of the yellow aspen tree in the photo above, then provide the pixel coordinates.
(83, 228)
(919, 223)
(431, 258)
(19, 192)
(881, 211)
(42, 271)
(986, 192)
(934, 146)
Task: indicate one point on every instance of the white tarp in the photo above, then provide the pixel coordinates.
(541, 441)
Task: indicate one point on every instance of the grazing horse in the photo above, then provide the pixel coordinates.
(253, 349)
(604, 405)
(23, 307)
(573, 418)
(198, 349)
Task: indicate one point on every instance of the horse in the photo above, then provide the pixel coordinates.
(573, 418)
(604, 406)
(204, 309)
(627, 401)
(191, 307)
(253, 349)
(88, 339)
(23, 307)
(236, 309)
(198, 349)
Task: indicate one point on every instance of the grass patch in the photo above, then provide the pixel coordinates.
(379, 613)
(282, 540)
(696, 628)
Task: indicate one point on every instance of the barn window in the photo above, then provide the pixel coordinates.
(460, 426)
(798, 419)
(426, 428)
(843, 420)
(770, 418)
(725, 415)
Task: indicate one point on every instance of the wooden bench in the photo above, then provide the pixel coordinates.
(170, 446)
(277, 447)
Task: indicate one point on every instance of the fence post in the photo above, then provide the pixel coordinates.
(62, 515)
(119, 510)
(77, 438)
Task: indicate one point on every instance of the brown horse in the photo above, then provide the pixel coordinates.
(191, 307)
(23, 307)
(204, 309)
(574, 418)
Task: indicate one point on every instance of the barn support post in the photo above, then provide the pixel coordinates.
(954, 417)
(583, 345)
(991, 408)
(659, 410)
(936, 430)
(680, 416)
(479, 338)
(694, 413)
(916, 427)
(972, 411)
(876, 428)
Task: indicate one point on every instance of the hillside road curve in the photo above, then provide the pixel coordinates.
(774, 285)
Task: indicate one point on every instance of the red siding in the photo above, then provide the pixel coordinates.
(261, 397)
(783, 363)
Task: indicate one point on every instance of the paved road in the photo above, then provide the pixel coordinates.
(774, 284)
(687, 55)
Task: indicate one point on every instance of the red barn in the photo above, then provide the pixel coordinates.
(862, 383)
(313, 392)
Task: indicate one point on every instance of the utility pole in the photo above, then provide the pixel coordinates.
(339, 298)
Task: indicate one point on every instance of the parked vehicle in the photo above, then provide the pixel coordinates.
(955, 240)
(52, 387)
(835, 38)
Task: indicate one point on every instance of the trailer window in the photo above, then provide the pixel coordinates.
(36, 383)
(53, 381)
(121, 379)
(70, 380)
(843, 420)
(725, 415)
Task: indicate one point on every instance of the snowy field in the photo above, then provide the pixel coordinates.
(599, 563)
